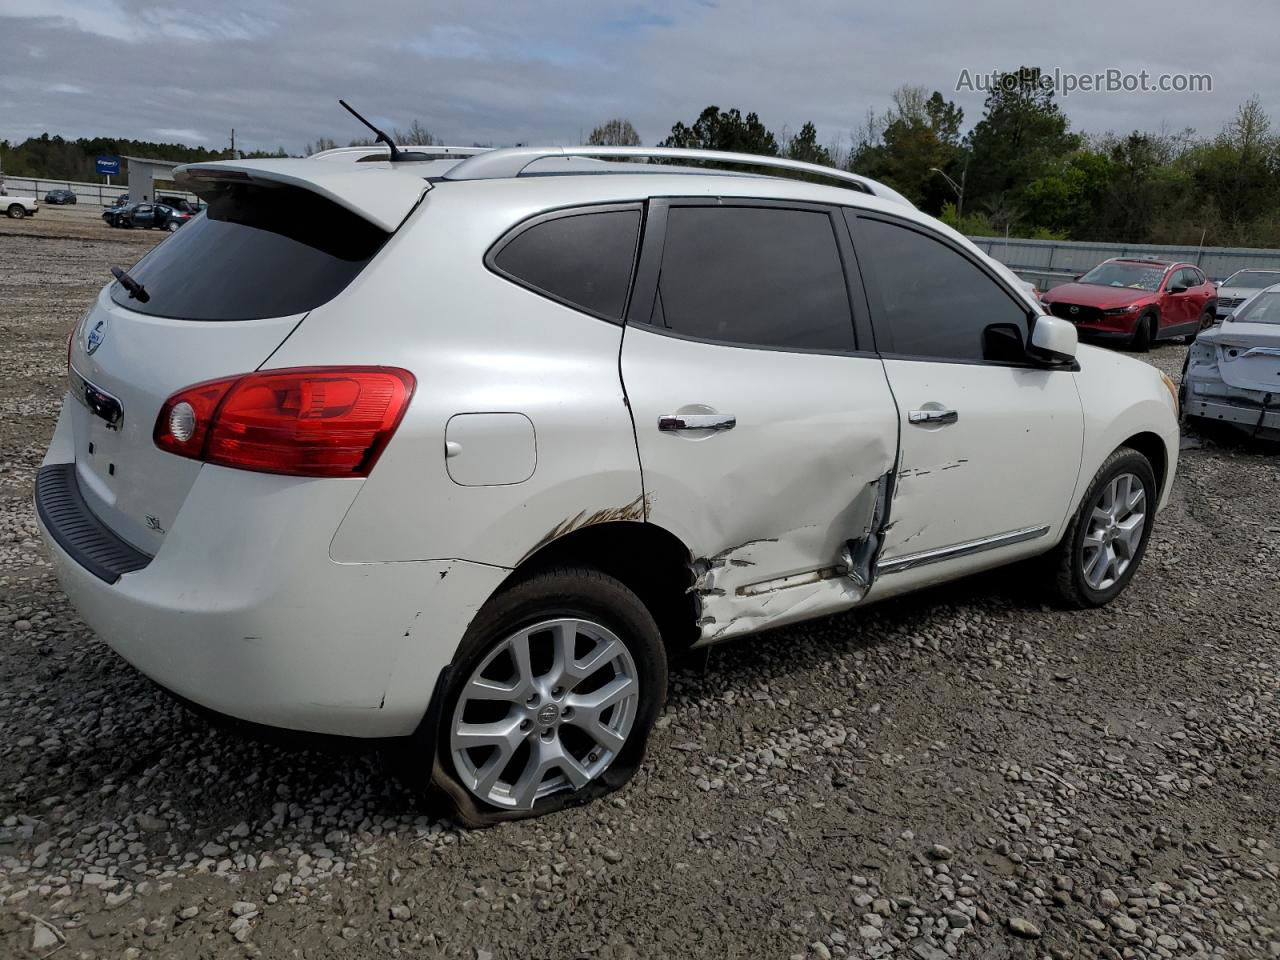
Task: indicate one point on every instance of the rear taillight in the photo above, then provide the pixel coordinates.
(304, 421)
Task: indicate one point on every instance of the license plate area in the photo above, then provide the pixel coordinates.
(102, 405)
(99, 422)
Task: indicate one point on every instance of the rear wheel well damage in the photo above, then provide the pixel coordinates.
(648, 559)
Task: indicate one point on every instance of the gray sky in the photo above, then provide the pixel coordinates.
(507, 72)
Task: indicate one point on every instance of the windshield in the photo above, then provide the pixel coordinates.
(1252, 279)
(1137, 276)
(1264, 308)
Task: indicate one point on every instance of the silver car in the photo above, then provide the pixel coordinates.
(1242, 285)
(1232, 371)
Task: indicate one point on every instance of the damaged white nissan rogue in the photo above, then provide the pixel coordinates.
(456, 450)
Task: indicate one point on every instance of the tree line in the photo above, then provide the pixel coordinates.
(1021, 169)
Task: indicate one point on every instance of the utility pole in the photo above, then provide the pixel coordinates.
(233, 144)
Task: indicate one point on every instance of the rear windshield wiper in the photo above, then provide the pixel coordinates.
(136, 290)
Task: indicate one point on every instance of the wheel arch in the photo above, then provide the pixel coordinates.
(1151, 446)
(647, 558)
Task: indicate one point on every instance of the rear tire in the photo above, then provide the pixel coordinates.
(1143, 334)
(16, 211)
(172, 226)
(588, 609)
(1207, 318)
(1107, 537)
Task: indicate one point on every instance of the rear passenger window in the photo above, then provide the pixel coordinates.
(935, 302)
(757, 276)
(581, 258)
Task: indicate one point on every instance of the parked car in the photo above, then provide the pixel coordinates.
(18, 207)
(178, 203)
(111, 214)
(1138, 302)
(1242, 285)
(1232, 373)
(60, 197)
(149, 215)
(422, 487)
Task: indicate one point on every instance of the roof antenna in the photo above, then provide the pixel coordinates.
(381, 137)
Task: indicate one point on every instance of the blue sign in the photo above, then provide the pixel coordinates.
(108, 166)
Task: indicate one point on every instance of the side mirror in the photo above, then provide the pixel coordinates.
(1053, 340)
(1217, 283)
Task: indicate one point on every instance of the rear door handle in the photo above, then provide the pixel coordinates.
(932, 418)
(697, 421)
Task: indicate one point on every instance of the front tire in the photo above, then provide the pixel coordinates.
(1107, 536)
(1143, 334)
(551, 698)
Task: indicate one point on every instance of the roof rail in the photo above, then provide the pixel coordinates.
(358, 153)
(509, 162)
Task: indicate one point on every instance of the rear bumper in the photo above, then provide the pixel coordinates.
(1239, 414)
(242, 611)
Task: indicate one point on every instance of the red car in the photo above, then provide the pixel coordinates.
(1137, 301)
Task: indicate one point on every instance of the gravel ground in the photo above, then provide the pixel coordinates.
(962, 773)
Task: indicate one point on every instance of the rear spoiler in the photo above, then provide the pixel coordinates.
(381, 196)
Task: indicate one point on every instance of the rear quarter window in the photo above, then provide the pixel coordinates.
(581, 258)
(256, 252)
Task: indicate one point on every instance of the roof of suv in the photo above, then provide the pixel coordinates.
(384, 192)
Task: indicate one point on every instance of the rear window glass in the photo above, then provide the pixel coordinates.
(582, 258)
(256, 252)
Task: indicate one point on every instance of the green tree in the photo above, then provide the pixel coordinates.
(1022, 131)
(617, 132)
(919, 135)
(724, 130)
(1238, 169)
(804, 146)
(1070, 196)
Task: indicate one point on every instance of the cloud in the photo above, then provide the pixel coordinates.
(179, 135)
(498, 71)
(66, 88)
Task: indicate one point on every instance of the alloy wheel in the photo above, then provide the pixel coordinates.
(1114, 532)
(547, 710)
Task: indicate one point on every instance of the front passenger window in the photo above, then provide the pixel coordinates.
(935, 303)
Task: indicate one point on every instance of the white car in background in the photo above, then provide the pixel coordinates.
(457, 451)
(15, 208)
(1242, 285)
(1232, 371)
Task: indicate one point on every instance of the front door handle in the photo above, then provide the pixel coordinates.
(697, 421)
(932, 418)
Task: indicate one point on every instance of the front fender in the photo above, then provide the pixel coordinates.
(1121, 398)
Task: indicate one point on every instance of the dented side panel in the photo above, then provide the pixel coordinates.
(768, 509)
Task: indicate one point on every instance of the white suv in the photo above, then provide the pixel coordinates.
(457, 450)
